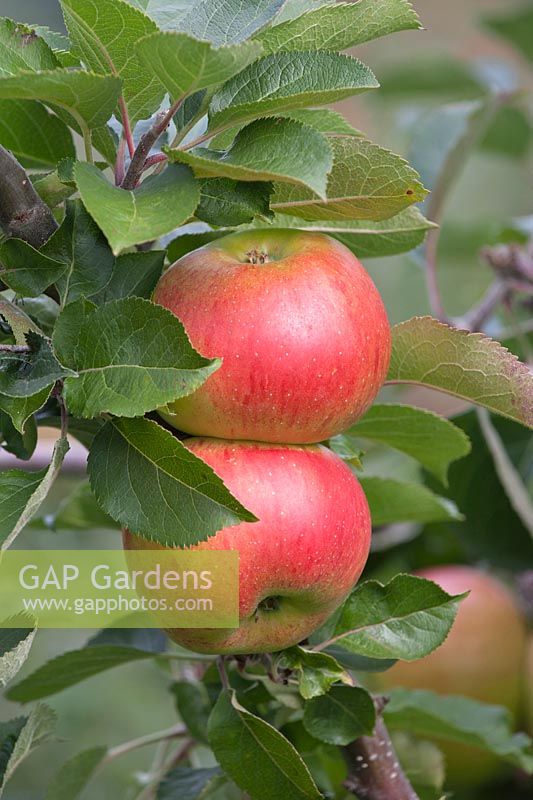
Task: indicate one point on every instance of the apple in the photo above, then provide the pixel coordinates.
(529, 686)
(482, 658)
(300, 326)
(299, 562)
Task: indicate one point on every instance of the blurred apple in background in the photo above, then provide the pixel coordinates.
(482, 658)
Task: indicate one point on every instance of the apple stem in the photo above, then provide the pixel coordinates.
(221, 666)
(375, 772)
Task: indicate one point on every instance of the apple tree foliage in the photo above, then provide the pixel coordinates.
(151, 128)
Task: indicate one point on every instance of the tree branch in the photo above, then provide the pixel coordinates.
(375, 772)
(137, 164)
(22, 212)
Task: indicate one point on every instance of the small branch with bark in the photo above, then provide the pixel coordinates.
(375, 772)
(140, 159)
(22, 212)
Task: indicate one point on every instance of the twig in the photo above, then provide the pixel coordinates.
(14, 348)
(221, 666)
(143, 741)
(507, 472)
(434, 295)
(435, 207)
(137, 165)
(374, 770)
(126, 125)
(22, 212)
(474, 319)
(150, 789)
(119, 162)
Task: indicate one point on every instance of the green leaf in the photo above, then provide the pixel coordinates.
(295, 8)
(161, 204)
(267, 149)
(58, 42)
(26, 270)
(71, 668)
(424, 765)
(15, 646)
(82, 250)
(434, 441)
(23, 736)
(440, 137)
(316, 672)
(476, 487)
(256, 756)
(516, 27)
(183, 244)
(324, 120)
(42, 310)
(90, 99)
(152, 640)
(184, 65)
(194, 707)
(26, 374)
(21, 494)
(398, 501)
(134, 275)
(105, 140)
(510, 133)
(342, 715)
(130, 356)
(74, 775)
(229, 22)
(288, 81)
(20, 409)
(37, 139)
(186, 783)
(79, 511)
(438, 77)
(399, 234)
(51, 188)
(226, 202)
(104, 34)
(21, 444)
(407, 618)
(19, 322)
(339, 26)
(144, 478)
(21, 49)
(459, 719)
(466, 365)
(367, 182)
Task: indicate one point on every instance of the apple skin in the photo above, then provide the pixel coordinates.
(529, 686)
(307, 550)
(482, 658)
(304, 337)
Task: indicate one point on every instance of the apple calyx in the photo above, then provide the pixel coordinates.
(269, 604)
(257, 256)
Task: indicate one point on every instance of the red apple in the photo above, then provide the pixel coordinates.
(298, 563)
(301, 329)
(482, 658)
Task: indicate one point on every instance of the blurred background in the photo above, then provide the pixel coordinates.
(448, 61)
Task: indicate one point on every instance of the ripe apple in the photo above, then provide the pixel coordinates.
(299, 562)
(482, 658)
(301, 329)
